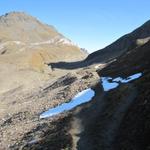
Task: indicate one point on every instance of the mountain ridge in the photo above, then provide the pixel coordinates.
(21, 32)
(27, 46)
(126, 42)
(24, 23)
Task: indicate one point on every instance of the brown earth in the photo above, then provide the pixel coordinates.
(20, 110)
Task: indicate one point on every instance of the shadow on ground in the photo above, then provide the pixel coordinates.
(68, 65)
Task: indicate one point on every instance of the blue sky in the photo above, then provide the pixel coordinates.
(92, 24)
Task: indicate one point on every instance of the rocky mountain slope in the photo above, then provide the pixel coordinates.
(127, 42)
(27, 46)
(133, 129)
(26, 40)
(116, 118)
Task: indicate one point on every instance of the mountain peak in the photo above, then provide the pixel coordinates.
(15, 13)
(21, 26)
(14, 17)
(24, 35)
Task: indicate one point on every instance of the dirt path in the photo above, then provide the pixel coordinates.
(82, 118)
(95, 125)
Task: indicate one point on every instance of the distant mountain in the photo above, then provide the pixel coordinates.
(19, 26)
(27, 46)
(129, 41)
(27, 42)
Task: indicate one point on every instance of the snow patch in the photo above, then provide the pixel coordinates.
(80, 98)
(66, 41)
(108, 83)
(17, 42)
(128, 79)
(56, 40)
(10, 42)
(1, 47)
(44, 42)
(96, 67)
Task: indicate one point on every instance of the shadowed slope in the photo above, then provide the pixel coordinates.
(129, 41)
(126, 43)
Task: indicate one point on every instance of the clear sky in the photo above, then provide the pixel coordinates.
(92, 24)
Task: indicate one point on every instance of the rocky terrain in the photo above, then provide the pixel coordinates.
(20, 110)
(117, 118)
(27, 46)
(29, 85)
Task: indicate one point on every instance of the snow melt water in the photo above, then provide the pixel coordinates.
(80, 98)
(108, 83)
